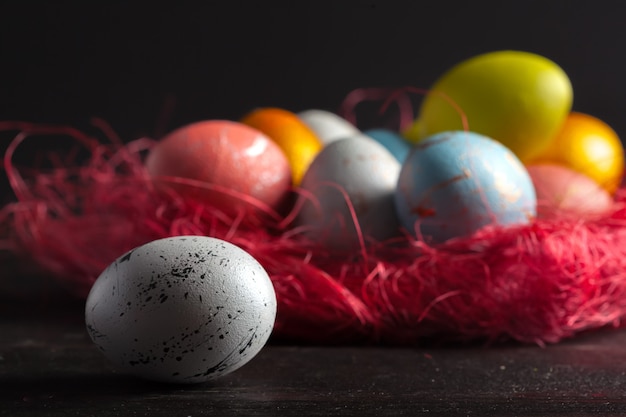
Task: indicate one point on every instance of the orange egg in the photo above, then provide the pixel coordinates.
(292, 135)
(589, 146)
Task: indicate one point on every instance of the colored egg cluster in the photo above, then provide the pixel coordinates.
(494, 143)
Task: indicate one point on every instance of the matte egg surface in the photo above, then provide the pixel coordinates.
(328, 126)
(351, 181)
(183, 309)
(454, 183)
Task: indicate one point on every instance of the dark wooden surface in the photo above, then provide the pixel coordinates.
(49, 367)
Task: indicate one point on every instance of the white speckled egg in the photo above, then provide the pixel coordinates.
(184, 309)
(328, 126)
(361, 171)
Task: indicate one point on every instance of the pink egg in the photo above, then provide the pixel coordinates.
(233, 166)
(562, 191)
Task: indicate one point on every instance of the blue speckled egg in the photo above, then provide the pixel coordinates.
(183, 309)
(396, 144)
(454, 183)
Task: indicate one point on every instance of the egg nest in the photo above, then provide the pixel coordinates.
(535, 283)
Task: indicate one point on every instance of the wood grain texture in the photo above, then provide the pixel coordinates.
(49, 367)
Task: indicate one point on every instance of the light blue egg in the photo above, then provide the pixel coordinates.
(454, 183)
(394, 143)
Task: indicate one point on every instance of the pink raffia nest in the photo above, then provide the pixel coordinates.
(537, 283)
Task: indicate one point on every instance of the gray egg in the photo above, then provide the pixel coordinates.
(184, 309)
(328, 126)
(351, 181)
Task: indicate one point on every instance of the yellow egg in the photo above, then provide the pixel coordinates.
(291, 134)
(518, 98)
(588, 145)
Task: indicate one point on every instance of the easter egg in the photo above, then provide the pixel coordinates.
(563, 191)
(328, 126)
(227, 162)
(351, 180)
(184, 309)
(517, 98)
(292, 135)
(588, 145)
(396, 144)
(454, 183)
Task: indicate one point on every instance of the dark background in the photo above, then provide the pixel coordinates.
(149, 68)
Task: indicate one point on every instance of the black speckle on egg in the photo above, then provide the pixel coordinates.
(126, 257)
(247, 344)
(94, 333)
(182, 273)
(179, 358)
